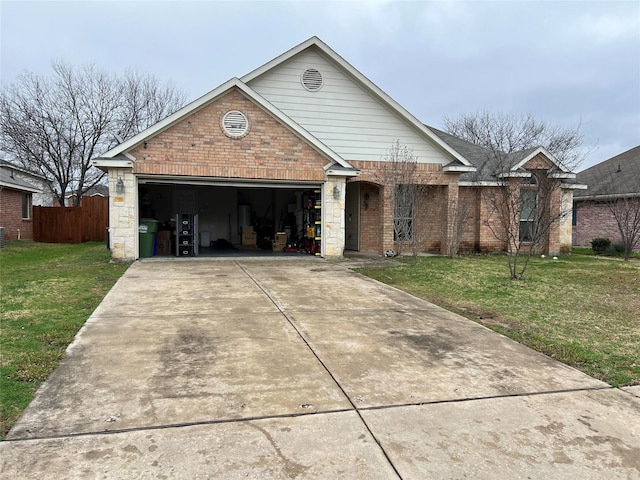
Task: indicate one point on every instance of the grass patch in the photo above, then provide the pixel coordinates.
(580, 310)
(48, 292)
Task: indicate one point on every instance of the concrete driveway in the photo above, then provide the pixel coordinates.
(299, 368)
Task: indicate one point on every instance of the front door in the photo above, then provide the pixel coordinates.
(352, 214)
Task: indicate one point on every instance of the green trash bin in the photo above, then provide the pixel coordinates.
(147, 231)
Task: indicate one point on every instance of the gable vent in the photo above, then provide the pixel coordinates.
(235, 123)
(312, 79)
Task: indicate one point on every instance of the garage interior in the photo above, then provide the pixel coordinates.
(219, 220)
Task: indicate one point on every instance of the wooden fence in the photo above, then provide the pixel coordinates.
(87, 223)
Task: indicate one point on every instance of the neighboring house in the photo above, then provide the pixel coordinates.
(616, 178)
(305, 131)
(95, 191)
(20, 190)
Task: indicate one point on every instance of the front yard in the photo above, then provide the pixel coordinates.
(48, 291)
(581, 310)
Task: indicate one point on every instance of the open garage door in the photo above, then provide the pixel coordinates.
(232, 219)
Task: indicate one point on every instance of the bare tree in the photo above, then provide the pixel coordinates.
(399, 172)
(507, 133)
(459, 221)
(55, 125)
(626, 211)
(522, 206)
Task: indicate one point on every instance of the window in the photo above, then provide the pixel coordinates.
(26, 204)
(403, 213)
(528, 209)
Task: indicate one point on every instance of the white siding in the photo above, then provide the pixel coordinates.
(342, 114)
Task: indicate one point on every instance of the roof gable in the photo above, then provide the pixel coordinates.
(489, 166)
(199, 146)
(350, 108)
(117, 153)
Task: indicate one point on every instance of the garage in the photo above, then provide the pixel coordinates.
(205, 218)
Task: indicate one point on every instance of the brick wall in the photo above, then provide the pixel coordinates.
(11, 215)
(593, 220)
(197, 146)
(370, 219)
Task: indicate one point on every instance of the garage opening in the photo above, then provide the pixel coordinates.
(219, 220)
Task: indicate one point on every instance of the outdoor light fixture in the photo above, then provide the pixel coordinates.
(336, 192)
(120, 186)
(366, 200)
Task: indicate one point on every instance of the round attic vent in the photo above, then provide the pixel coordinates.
(312, 79)
(235, 124)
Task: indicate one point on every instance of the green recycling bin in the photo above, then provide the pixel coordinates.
(147, 231)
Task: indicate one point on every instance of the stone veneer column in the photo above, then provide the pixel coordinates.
(333, 223)
(566, 222)
(122, 215)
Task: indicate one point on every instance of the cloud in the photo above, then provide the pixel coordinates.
(611, 28)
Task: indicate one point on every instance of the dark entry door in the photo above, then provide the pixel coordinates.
(352, 214)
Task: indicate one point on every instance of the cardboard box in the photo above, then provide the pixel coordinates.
(247, 229)
(163, 235)
(163, 247)
(281, 237)
(249, 238)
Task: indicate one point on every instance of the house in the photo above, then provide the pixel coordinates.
(95, 191)
(20, 190)
(611, 180)
(290, 155)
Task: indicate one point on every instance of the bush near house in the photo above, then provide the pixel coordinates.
(48, 291)
(600, 245)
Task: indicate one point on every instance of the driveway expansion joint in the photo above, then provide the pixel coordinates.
(324, 366)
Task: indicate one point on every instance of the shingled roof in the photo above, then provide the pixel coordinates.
(618, 176)
(488, 165)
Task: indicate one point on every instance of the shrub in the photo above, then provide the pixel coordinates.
(600, 245)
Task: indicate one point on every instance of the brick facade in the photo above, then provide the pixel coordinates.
(11, 215)
(197, 146)
(594, 220)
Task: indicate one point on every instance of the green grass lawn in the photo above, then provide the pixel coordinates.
(47, 293)
(581, 310)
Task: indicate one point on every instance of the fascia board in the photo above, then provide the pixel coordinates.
(563, 175)
(105, 164)
(364, 82)
(482, 183)
(459, 168)
(341, 172)
(613, 196)
(514, 175)
(546, 153)
(574, 186)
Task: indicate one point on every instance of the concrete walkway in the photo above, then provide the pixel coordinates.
(298, 368)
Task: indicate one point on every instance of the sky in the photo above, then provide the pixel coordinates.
(572, 64)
